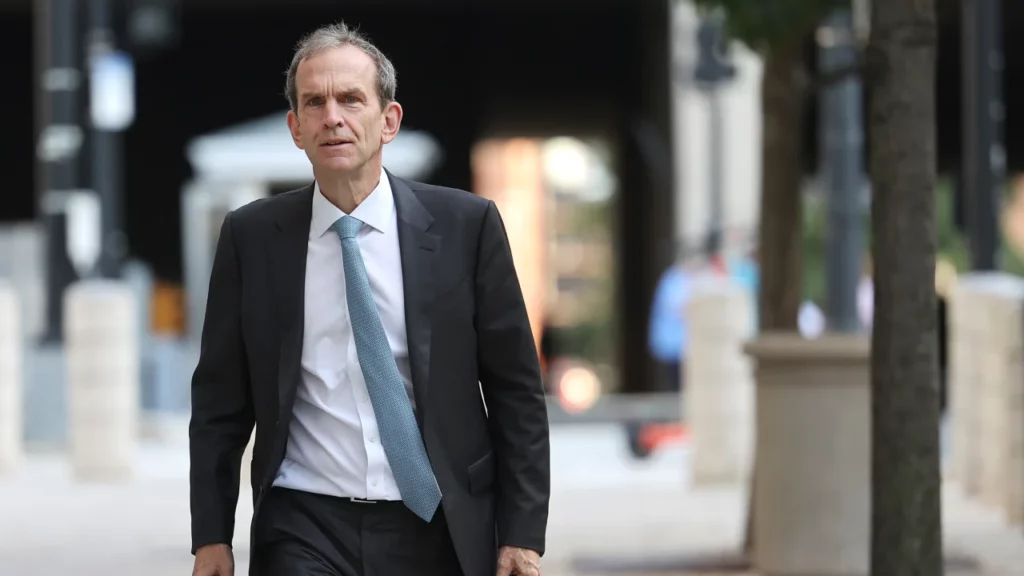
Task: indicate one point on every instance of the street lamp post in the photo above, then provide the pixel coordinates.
(984, 159)
(842, 140)
(58, 145)
(112, 109)
(712, 72)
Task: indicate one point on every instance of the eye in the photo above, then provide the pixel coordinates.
(315, 101)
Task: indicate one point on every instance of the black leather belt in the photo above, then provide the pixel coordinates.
(365, 501)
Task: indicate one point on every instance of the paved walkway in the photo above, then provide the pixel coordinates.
(603, 504)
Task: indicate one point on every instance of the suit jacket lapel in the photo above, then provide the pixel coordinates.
(418, 249)
(287, 254)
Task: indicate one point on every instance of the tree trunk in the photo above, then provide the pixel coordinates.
(780, 242)
(906, 531)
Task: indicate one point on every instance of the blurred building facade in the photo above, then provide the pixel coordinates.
(523, 76)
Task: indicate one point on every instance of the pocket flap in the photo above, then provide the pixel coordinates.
(481, 474)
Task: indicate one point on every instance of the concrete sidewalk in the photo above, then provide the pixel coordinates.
(603, 504)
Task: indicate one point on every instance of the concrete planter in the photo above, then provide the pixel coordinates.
(812, 492)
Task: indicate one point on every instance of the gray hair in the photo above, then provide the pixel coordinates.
(336, 36)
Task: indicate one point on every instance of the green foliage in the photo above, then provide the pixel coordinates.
(815, 246)
(1011, 261)
(589, 341)
(591, 220)
(951, 245)
(764, 24)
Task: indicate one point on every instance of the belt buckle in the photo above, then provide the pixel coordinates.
(362, 501)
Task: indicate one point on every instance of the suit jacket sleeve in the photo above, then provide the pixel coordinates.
(510, 378)
(222, 411)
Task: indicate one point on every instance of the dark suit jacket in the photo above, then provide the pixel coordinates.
(466, 323)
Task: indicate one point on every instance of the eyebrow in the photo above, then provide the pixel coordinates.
(350, 92)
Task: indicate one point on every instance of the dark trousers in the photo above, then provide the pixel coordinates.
(671, 376)
(303, 534)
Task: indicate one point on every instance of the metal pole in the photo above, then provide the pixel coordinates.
(712, 72)
(842, 137)
(60, 141)
(716, 173)
(105, 151)
(984, 157)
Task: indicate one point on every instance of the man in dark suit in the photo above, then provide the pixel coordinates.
(374, 332)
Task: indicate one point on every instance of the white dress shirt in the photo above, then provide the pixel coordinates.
(333, 445)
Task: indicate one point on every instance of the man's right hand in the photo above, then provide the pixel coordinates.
(214, 560)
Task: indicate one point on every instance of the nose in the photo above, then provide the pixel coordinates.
(333, 116)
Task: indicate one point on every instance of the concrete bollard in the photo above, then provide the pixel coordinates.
(11, 434)
(987, 390)
(718, 384)
(968, 335)
(101, 337)
(812, 490)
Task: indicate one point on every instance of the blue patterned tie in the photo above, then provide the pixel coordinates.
(398, 431)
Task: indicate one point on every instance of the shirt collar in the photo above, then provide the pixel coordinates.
(375, 210)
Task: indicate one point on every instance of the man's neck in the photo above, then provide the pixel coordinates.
(346, 191)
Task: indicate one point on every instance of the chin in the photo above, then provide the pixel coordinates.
(337, 164)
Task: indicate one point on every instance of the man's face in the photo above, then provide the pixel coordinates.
(340, 123)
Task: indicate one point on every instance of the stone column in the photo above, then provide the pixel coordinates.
(11, 436)
(718, 384)
(991, 395)
(812, 491)
(1013, 498)
(987, 391)
(101, 337)
(1003, 436)
(968, 334)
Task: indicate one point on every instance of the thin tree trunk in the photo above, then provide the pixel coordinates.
(780, 245)
(906, 531)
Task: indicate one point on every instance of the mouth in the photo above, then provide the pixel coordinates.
(335, 142)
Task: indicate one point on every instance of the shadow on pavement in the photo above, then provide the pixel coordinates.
(721, 564)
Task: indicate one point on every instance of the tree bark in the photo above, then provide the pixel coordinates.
(906, 531)
(783, 88)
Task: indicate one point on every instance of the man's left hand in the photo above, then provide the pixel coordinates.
(514, 561)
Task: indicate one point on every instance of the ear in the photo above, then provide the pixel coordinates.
(392, 122)
(293, 127)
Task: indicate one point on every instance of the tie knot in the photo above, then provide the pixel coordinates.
(347, 226)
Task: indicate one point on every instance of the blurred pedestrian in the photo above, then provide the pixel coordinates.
(361, 323)
(667, 334)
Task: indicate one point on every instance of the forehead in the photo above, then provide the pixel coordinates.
(346, 63)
